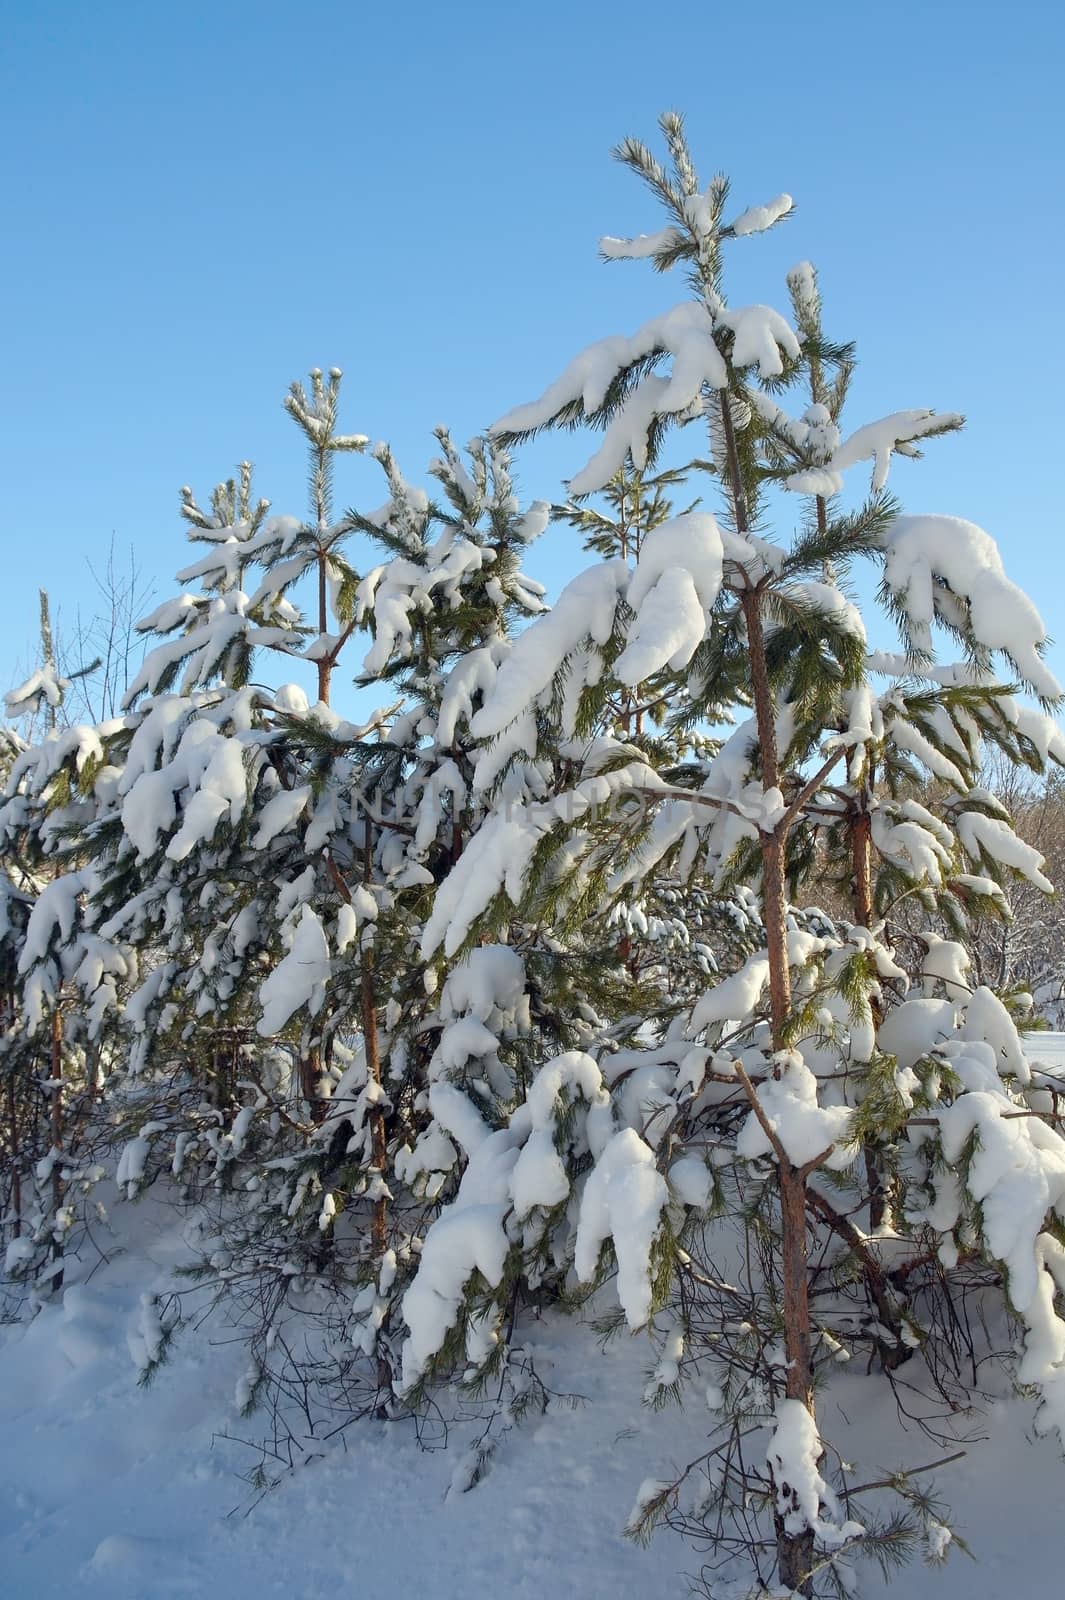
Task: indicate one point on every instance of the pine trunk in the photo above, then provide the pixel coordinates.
(861, 833)
(16, 1157)
(795, 1551)
(325, 663)
(379, 1153)
(861, 830)
(56, 1110)
(310, 1073)
(378, 1140)
(378, 1136)
(325, 675)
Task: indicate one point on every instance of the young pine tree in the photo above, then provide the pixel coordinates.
(774, 1081)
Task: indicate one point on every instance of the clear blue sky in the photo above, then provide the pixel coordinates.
(203, 200)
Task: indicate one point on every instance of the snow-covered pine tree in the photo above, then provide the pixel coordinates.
(1028, 951)
(591, 980)
(900, 830)
(240, 908)
(19, 1130)
(675, 929)
(439, 608)
(53, 1048)
(777, 1075)
(137, 825)
(271, 865)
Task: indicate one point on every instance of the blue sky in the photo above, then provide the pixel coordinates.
(202, 201)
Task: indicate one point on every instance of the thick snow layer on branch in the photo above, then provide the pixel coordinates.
(280, 812)
(736, 999)
(1016, 1176)
(518, 739)
(573, 1070)
(473, 674)
(690, 1181)
(461, 1041)
(54, 912)
(801, 1494)
(642, 248)
(1045, 734)
(793, 1454)
(915, 1028)
(623, 1200)
(828, 601)
(430, 812)
(468, 1236)
(760, 335)
(531, 526)
(155, 984)
(671, 821)
(464, 1239)
(299, 979)
(987, 1019)
(907, 737)
(912, 848)
(585, 608)
(134, 1158)
(668, 630)
(510, 1172)
(673, 590)
(947, 962)
(497, 857)
(756, 219)
(626, 434)
(875, 441)
(155, 737)
(34, 766)
(748, 806)
(43, 685)
(815, 480)
(222, 792)
(207, 764)
(225, 620)
(458, 1116)
(539, 1177)
(983, 836)
(398, 590)
(488, 985)
(805, 1129)
(921, 553)
(686, 332)
(275, 538)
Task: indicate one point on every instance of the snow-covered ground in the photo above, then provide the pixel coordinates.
(108, 1490)
(1046, 1048)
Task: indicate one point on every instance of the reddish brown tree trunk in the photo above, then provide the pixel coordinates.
(378, 1137)
(56, 1117)
(325, 663)
(16, 1156)
(378, 1134)
(794, 1550)
(325, 678)
(310, 1073)
(861, 830)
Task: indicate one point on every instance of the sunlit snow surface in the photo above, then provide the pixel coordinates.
(109, 1490)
